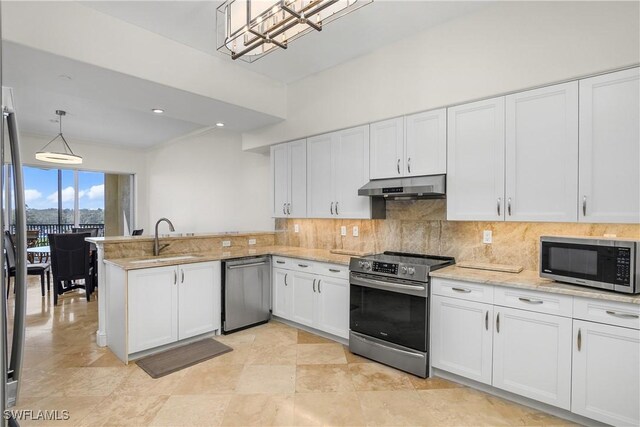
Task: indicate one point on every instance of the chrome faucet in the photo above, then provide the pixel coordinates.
(156, 246)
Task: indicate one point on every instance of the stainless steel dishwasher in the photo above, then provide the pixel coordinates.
(246, 293)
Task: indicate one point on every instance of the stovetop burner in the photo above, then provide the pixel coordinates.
(409, 258)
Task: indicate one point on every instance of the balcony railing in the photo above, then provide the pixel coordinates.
(46, 229)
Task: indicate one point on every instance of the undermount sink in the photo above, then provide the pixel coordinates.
(163, 259)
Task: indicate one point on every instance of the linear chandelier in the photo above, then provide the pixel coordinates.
(66, 155)
(250, 29)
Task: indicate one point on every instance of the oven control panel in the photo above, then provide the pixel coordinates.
(384, 267)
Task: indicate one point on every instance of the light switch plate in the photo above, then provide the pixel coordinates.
(226, 243)
(296, 228)
(487, 237)
(343, 230)
(252, 241)
(356, 231)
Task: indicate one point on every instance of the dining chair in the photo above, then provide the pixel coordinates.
(70, 263)
(93, 231)
(33, 269)
(137, 232)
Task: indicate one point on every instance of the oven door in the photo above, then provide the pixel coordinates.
(389, 309)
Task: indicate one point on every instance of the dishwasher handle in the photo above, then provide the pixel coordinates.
(253, 264)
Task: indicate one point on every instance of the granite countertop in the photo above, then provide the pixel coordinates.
(321, 255)
(176, 235)
(528, 279)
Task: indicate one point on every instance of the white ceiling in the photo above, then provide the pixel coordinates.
(106, 106)
(379, 23)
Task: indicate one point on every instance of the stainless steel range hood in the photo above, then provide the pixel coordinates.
(417, 187)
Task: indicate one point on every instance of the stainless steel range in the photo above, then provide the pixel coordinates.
(389, 308)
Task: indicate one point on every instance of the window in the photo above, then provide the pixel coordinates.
(90, 198)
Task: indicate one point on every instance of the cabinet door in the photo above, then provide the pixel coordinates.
(461, 337)
(426, 143)
(152, 308)
(542, 154)
(304, 285)
(320, 191)
(298, 179)
(475, 161)
(280, 179)
(610, 148)
(606, 373)
(198, 298)
(333, 306)
(532, 355)
(282, 293)
(387, 149)
(351, 171)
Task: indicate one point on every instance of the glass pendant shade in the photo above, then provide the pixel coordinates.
(64, 155)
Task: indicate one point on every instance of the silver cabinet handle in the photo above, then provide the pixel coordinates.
(498, 323)
(331, 208)
(280, 262)
(531, 301)
(284, 208)
(285, 279)
(409, 165)
(463, 290)
(622, 315)
(333, 270)
(509, 206)
(579, 339)
(584, 206)
(398, 166)
(314, 285)
(175, 277)
(181, 276)
(319, 290)
(498, 206)
(303, 265)
(288, 208)
(337, 213)
(486, 320)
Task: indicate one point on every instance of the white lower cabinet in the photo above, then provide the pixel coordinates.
(461, 337)
(167, 304)
(578, 354)
(312, 294)
(532, 355)
(606, 373)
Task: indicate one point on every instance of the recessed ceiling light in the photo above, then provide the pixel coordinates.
(220, 124)
(157, 110)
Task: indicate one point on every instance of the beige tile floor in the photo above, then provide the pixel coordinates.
(276, 375)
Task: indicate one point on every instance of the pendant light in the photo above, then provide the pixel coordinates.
(66, 155)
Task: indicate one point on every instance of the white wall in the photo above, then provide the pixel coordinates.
(505, 47)
(96, 157)
(205, 182)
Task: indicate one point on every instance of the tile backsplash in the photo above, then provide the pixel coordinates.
(420, 226)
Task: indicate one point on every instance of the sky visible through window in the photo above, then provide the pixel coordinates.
(41, 188)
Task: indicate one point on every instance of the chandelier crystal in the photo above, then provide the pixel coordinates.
(250, 29)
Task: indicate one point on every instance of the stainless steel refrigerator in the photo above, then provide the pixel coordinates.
(12, 334)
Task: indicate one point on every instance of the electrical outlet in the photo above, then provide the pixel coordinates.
(226, 243)
(356, 231)
(343, 230)
(487, 237)
(296, 228)
(252, 241)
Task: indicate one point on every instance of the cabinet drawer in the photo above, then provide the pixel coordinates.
(294, 264)
(463, 290)
(609, 312)
(282, 262)
(541, 302)
(332, 270)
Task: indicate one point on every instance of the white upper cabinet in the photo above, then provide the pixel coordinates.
(337, 166)
(387, 149)
(475, 161)
(409, 146)
(426, 143)
(542, 154)
(289, 179)
(609, 189)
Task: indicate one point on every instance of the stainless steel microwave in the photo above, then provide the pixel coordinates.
(596, 262)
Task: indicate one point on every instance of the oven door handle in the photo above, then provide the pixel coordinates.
(408, 353)
(373, 283)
